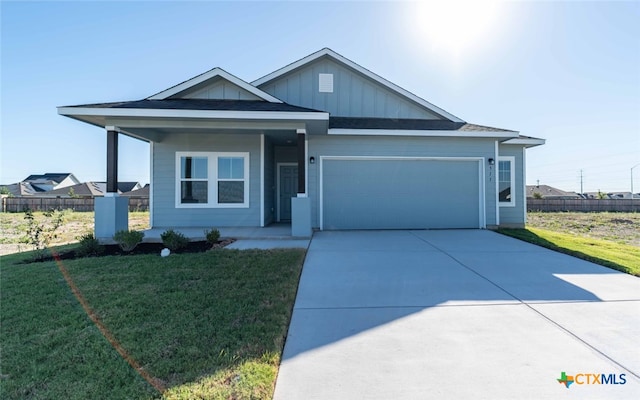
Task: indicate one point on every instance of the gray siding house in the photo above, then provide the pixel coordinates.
(323, 143)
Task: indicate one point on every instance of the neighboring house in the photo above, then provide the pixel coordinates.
(142, 192)
(129, 186)
(85, 189)
(549, 192)
(623, 196)
(323, 143)
(51, 181)
(20, 189)
(596, 195)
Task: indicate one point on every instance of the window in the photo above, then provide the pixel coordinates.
(506, 181)
(214, 180)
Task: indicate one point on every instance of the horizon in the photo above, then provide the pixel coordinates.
(565, 72)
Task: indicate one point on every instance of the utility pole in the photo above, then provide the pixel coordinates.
(581, 180)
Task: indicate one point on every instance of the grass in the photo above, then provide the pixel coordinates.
(617, 227)
(208, 325)
(610, 254)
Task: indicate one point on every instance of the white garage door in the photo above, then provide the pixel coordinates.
(401, 193)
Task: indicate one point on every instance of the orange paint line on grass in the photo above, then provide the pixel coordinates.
(156, 383)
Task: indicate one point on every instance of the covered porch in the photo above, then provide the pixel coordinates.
(272, 138)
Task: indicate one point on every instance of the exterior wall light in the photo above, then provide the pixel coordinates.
(312, 160)
(492, 161)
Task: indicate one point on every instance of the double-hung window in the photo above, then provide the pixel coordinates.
(506, 181)
(212, 180)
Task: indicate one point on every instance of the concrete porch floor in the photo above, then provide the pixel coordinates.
(269, 237)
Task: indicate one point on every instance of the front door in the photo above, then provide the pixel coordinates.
(288, 188)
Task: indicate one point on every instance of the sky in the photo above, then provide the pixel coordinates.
(568, 72)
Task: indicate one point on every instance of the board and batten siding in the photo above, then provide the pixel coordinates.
(515, 216)
(354, 95)
(219, 90)
(165, 213)
(381, 146)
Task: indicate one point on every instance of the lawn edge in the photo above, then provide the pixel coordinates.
(524, 234)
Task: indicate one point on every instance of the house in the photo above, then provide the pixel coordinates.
(20, 189)
(622, 196)
(85, 189)
(51, 181)
(129, 186)
(323, 143)
(142, 192)
(549, 192)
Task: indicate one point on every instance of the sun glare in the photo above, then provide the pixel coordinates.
(454, 27)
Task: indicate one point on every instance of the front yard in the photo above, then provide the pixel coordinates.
(208, 325)
(609, 239)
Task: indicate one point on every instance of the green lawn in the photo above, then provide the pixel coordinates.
(209, 325)
(618, 256)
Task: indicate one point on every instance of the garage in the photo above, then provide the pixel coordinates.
(401, 193)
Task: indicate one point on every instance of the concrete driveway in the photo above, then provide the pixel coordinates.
(457, 314)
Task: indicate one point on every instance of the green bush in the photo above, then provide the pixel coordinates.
(174, 240)
(88, 245)
(212, 235)
(128, 240)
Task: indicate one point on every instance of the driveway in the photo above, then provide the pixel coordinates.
(457, 314)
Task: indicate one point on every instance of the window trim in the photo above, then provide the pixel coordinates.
(512, 172)
(212, 179)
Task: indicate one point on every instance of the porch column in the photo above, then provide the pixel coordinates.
(302, 161)
(111, 211)
(301, 205)
(112, 160)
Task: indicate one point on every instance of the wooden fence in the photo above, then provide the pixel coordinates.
(85, 204)
(584, 205)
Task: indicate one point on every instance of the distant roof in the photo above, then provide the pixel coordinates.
(56, 177)
(201, 104)
(21, 189)
(127, 186)
(144, 192)
(80, 189)
(549, 192)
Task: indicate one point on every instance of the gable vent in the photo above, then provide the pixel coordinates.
(325, 83)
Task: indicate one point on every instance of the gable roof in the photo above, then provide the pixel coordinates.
(210, 76)
(56, 177)
(81, 189)
(21, 189)
(550, 192)
(326, 52)
(129, 186)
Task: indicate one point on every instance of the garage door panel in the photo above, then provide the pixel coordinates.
(400, 194)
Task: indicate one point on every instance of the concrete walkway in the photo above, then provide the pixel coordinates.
(459, 314)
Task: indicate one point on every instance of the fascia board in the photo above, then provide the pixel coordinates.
(426, 133)
(210, 75)
(529, 142)
(362, 70)
(196, 114)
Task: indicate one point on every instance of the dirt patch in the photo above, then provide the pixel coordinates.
(621, 228)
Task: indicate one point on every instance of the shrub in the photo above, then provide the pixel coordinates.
(128, 240)
(212, 235)
(174, 240)
(40, 233)
(88, 245)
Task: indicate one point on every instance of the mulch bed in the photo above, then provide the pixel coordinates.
(142, 248)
